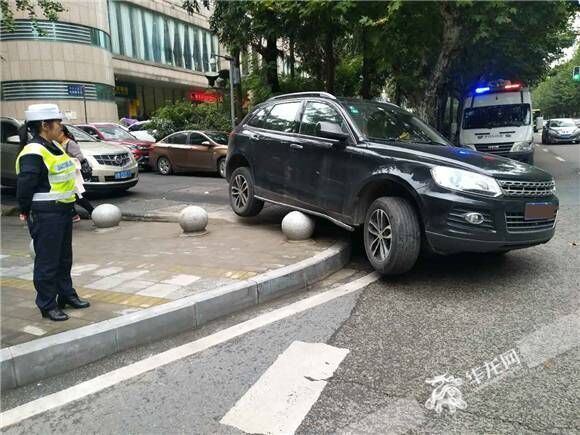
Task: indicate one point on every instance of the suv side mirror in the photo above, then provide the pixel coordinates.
(330, 130)
(13, 139)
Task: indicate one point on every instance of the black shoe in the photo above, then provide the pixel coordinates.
(73, 301)
(54, 314)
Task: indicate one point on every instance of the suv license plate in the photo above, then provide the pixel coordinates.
(122, 174)
(539, 210)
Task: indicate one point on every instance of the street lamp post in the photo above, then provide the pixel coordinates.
(232, 106)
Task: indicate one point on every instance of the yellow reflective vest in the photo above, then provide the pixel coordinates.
(61, 173)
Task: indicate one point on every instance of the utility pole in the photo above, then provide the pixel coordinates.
(85, 101)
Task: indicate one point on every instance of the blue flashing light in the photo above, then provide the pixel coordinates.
(482, 90)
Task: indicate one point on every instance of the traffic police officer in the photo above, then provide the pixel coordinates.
(45, 194)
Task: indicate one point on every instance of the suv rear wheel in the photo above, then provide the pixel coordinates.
(242, 198)
(392, 235)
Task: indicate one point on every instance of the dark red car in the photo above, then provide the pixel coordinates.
(112, 132)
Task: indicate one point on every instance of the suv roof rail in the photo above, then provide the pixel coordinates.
(304, 94)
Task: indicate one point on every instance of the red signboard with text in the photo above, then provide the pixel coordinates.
(204, 97)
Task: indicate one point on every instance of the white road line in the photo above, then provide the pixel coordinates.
(546, 150)
(560, 158)
(288, 388)
(106, 380)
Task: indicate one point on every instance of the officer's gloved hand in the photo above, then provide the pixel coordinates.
(86, 170)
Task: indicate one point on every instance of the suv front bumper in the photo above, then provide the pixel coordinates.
(504, 227)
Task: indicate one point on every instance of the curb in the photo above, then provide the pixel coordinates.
(150, 216)
(49, 356)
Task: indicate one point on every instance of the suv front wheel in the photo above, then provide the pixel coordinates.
(392, 235)
(242, 198)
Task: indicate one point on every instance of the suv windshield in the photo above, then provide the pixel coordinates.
(385, 122)
(507, 115)
(113, 132)
(80, 135)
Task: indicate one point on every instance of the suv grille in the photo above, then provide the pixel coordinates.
(501, 149)
(533, 189)
(516, 223)
(113, 159)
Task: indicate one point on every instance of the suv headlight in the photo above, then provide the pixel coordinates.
(465, 181)
(522, 146)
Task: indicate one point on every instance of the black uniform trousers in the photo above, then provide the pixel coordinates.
(51, 232)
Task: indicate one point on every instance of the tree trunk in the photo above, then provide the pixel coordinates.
(429, 107)
(329, 63)
(365, 89)
(292, 58)
(270, 55)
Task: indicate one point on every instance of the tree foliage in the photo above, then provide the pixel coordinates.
(49, 9)
(559, 95)
(184, 115)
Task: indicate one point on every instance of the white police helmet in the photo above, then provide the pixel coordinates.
(42, 112)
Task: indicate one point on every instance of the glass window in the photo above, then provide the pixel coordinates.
(147, 24)
(125, 31)
(114, 25)
(389, 123)
(137, 34)
(80, 135)
(218, 137)
(257, 120)
(214, 50)
(157, 39)
(177, 138)
(196, 138)
(167, 45)
(114, 132)
(506, 115)
(562, 123)
(178, 44)
(187, 49)
(197, 50)
(317, 112)
(8, 129)
(205, 40)
(282, 117)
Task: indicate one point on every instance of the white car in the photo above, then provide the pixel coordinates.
(139, 130)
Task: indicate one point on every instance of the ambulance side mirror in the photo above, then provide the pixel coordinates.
(13, 140)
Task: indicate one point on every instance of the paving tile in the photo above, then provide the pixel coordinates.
(107, 271)
(159, 290)
(182, 279)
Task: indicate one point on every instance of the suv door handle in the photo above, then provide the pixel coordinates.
(255, 136)
(296, 146)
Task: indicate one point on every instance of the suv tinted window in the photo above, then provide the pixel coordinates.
(196, 139)
(317, 112)
(258, 119)
(8, 129)
(282, 117)
(177, 138)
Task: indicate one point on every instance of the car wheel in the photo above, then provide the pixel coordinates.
(392, 235)
(164, 166)
(222, 167)
(242, 198)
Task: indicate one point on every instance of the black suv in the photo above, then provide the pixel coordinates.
(360, 162)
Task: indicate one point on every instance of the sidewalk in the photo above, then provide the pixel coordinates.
(147, 281)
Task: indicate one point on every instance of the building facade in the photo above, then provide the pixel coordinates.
(107, 59)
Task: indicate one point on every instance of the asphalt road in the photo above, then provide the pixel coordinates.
(509, 322)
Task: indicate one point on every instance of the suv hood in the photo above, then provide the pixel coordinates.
(97, 148)
(464, 158)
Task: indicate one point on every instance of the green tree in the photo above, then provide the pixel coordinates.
(49, 9)
(559, 95)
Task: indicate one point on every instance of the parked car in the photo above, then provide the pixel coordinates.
(191, 150)
(373, 165)
(112, 132)
(140, 130)
(577, 122)
(114, 167)
(560, 130)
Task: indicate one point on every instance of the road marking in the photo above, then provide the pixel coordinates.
(546, 150)
(106, 380)
(560, 158)
(289, 388)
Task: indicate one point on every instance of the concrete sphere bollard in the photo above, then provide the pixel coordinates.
(106, 216)
(31, 249)
(297, 226)
(193, 219)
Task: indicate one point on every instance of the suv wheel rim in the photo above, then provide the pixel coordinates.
(163, 166)
(240, 191)
(380, 235)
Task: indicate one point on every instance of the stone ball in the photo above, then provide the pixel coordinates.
(297, 226)
(193, 219)
(106, 216)
(31, 249)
